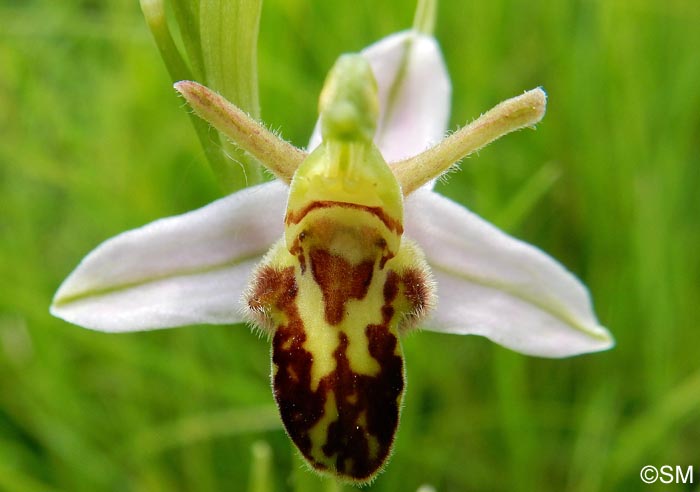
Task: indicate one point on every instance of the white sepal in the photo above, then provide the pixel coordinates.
(176, 271)
(499, 287)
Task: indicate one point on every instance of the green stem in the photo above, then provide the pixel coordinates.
(187, 16)
(154, 13)
(426, 14)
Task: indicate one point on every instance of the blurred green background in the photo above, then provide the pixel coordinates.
(93, 141)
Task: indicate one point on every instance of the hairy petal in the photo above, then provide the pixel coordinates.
(496, 286)
(414, 94)
(177, 271)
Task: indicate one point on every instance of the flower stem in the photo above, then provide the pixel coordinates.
(154, 13)
(426, 13)
(187, 16)
(220, 39)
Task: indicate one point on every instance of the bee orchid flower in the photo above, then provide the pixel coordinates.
(343, 253)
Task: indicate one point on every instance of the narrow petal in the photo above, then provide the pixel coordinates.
(493, 285)
(277, 155)
(510, 115)
(177, 271)
(414, 94)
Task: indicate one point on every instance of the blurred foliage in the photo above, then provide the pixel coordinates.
(93, 140)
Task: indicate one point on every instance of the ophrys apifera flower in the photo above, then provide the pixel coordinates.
(344, 253)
